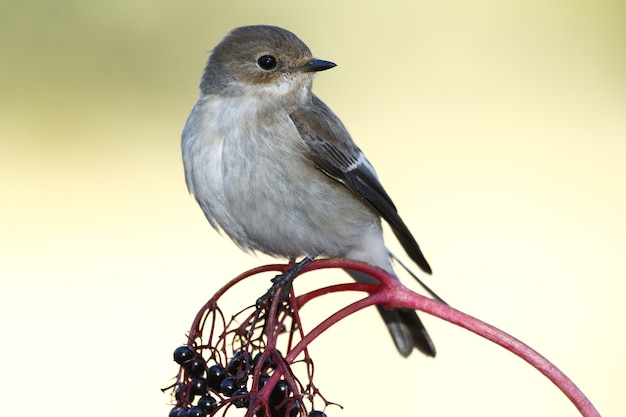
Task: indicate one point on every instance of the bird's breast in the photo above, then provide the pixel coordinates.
(266, 195)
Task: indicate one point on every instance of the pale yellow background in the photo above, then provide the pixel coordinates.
(499, 128)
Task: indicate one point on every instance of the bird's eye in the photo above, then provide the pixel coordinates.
(267, 62)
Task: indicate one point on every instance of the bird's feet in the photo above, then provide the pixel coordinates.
(281, 284)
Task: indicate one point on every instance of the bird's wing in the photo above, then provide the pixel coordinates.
(330, 147)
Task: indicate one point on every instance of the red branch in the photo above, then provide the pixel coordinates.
(391, 293)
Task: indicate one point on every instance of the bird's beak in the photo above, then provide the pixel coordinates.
(315, 65)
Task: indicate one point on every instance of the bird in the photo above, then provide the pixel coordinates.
(276, 170)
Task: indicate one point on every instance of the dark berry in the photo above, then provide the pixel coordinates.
(242, 382)
(179, 392)
(182, 412)
(174, 412)
(196, 366)
(268, 363)
(279, 412)
(228, 386)
(198, 386)
(209, 403)
(196, 411)
(293, 407)
(294, 410)
(257, 358)
(240, 364)
(279, 393)
(183, 396)
(263, 380)
(183, 354)
(317, 413)
(215, 376)
(241, 402)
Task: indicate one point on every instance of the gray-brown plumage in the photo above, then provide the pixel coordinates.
(274, 168)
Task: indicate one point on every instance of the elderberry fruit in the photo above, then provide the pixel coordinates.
(263, 380)
(279, 393)
(239, 364)
(182, 412)
(317, 413)
(208, 403)
(294, 410)
(215, 376)
(196, 411)
(268, 362)
(174, 412)
(228, 386)
(183, 354)
(241, 402)
(196, 366)
(293, 407)
(180, 391)
(257, 358)
(198, 386)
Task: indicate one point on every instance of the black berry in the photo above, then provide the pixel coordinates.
(263, 380)
(209, 403)
(293, 407)
(183, 354)
(294, 410)
(241, 402)
(268, 363)
(196, 366)
(280, 392)
(180, 392)
(215, 376)
(198, 386)
(196, 411)
(228, 386)
(240, 364)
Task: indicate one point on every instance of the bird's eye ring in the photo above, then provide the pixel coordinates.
(267, 62)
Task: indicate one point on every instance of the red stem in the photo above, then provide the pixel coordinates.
(393, 294)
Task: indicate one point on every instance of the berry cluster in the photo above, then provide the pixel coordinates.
(203, 389)
(235, 361)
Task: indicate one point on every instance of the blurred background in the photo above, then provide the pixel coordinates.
(499, 128)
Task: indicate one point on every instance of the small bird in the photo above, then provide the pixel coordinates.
(276, 170)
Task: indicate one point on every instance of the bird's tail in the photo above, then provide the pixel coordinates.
(405, 326)
(407, 331)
